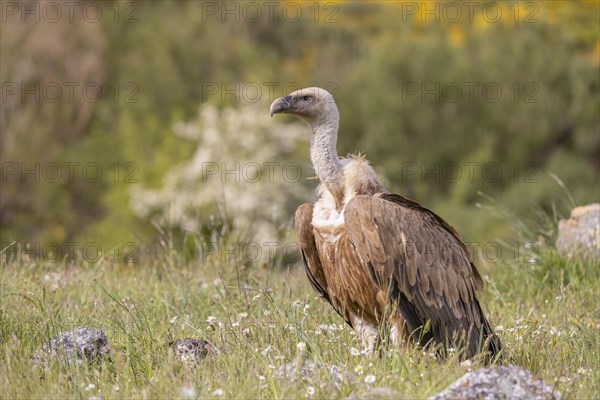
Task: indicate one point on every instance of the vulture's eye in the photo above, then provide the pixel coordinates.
(306, 98)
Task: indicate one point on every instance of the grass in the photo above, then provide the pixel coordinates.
(546, 313)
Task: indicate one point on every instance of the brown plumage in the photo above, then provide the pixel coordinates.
(381, 259)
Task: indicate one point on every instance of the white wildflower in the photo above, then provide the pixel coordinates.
(173, 320)
(310, 391)
(370, 379)
(266, 351)
(243, 315)
(188, 392)
(235, 324)
(499, 328)
(261, 378)
(218, 392)
(359, 369)
(211, 319)
(301, 346)
(354, 352)
(466, 363)
(90, 387)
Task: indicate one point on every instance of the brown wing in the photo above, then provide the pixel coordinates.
(427, 271)
(310, 255)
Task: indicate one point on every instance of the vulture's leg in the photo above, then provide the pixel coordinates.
(366, 334)
(399, 333)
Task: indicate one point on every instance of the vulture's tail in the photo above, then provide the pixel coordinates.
(488, 342)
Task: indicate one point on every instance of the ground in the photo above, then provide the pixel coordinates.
(544, 308)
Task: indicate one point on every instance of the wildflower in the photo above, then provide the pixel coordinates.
(173, 320)
(90, 387)
(354, 352)
(466, 363)
(243, 315)
(261, 378)
(265, 351)
(306, 307)
(188, 392)
(310, 391)
(211, 319)
(359, 369)
(451, 350)
(499, 328)
(370, 379)
(301, 346)
(235, 324)
(218, 392)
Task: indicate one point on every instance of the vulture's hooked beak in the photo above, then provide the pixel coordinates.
(280, 105)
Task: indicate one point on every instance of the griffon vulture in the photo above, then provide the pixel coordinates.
(380, 259)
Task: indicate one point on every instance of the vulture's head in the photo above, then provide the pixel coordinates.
(313, 105)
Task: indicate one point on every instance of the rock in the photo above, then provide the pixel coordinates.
(376, 393)
(580, 234)
(192, 350)
(79, 345)
(495, 383)
(314, 373)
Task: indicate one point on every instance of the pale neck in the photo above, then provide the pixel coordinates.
(324, 156)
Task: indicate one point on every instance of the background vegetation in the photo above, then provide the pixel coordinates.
(418, 93)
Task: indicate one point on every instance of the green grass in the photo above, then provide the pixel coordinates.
(546, 313)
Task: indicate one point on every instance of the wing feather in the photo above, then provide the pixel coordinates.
(419, 258)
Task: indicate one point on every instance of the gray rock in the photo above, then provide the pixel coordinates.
(496, 383)
(314, 373)
(79, 345)
(580, 234)
(192, 350)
